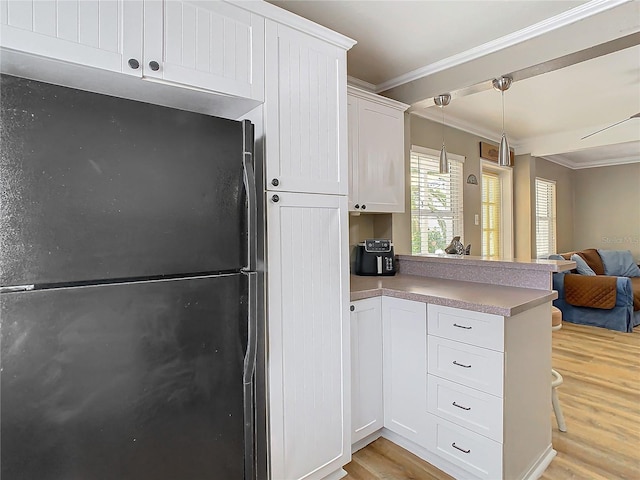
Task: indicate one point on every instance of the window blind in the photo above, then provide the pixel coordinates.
(545, 217)
(436, 201)
(491, 214)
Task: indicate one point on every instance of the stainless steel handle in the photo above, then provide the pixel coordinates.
(248, 376)
(461, 449)
(461, 364)
(275, 198)
(462, 326)
(379, 264)
(249, 179)
(460, 406)
(275, 182)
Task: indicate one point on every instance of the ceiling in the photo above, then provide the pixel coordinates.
(415, 50)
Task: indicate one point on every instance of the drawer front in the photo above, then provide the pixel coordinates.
(470, 408)
(476, 454)
(474, 367)
(475, 328)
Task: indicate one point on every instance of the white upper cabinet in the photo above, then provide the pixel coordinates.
(209, 45)
(376, 152)
(97, 33)
(305, 112)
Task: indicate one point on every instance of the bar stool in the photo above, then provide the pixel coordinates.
(556, 324)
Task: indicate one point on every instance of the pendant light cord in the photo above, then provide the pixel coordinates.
(503, 112)
(442, 108)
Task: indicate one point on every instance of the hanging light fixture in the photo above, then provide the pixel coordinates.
(442, 101)
(504, 155)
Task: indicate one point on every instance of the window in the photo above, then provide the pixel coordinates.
(545, 217)
(491, 214)
(436, 201)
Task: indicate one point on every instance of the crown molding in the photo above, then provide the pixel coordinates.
(361, 84)
(285, 17)
(569, 17)
(565, 162)
(487, 134)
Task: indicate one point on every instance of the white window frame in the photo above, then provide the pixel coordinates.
(506, 208)
(458, 227)
(549, 217)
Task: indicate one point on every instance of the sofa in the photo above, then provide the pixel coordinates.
(603, 290)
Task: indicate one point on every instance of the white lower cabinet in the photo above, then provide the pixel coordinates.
(308, 288)
(404, 324)
(488, 391)
(367, 414)
(469, 390)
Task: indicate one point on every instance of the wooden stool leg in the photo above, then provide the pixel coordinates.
(562, 426)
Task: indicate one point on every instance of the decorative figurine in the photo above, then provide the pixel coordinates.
(455, 247)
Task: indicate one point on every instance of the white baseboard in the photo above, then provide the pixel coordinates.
(538, 468)
(336, 475)
(534, 473)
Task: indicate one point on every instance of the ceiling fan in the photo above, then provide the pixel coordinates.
(637, 115)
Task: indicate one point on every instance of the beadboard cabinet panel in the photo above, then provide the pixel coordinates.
(308, 334)
(210, 45)
(97, 33)
(305, 113)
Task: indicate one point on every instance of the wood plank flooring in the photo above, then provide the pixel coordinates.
(600, 399)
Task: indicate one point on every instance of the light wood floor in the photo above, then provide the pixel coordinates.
(600, 399)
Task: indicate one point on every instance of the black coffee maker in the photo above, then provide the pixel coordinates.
(375, 257)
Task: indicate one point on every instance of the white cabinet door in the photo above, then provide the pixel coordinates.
(308, 335)
(306, 112)
(104, 34)
(405, 367)
(210, 45)
(376, 153)
(367, 414)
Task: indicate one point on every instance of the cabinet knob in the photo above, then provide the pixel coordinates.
(275, 182)
(357, 206)
(352, 308)
(133, 63)
(364, 207)
(155, 66)
(275, 198)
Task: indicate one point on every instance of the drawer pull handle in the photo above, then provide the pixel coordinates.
(461, 449)
(460, 406)
(461, 364)
(462, 326)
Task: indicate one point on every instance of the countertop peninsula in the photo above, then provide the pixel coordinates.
(480, 297)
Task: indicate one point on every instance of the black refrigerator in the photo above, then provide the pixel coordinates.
(129, 301)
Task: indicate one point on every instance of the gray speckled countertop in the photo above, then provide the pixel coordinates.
(479, 297)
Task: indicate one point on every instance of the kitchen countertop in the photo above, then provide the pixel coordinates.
(480, 297)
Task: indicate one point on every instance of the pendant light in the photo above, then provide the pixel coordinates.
(442, 101)
(504, 155)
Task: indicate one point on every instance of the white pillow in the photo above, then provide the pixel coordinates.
(581, 265)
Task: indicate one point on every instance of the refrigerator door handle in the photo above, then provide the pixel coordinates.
(248, 379)
(249, 179)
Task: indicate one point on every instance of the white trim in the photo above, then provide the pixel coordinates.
(356, 82)
(436, 153)
(297, 22)
(373, 97)
(464, 126)
(565, 162)
(569, 17)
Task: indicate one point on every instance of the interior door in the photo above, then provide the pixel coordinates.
(125, 381)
